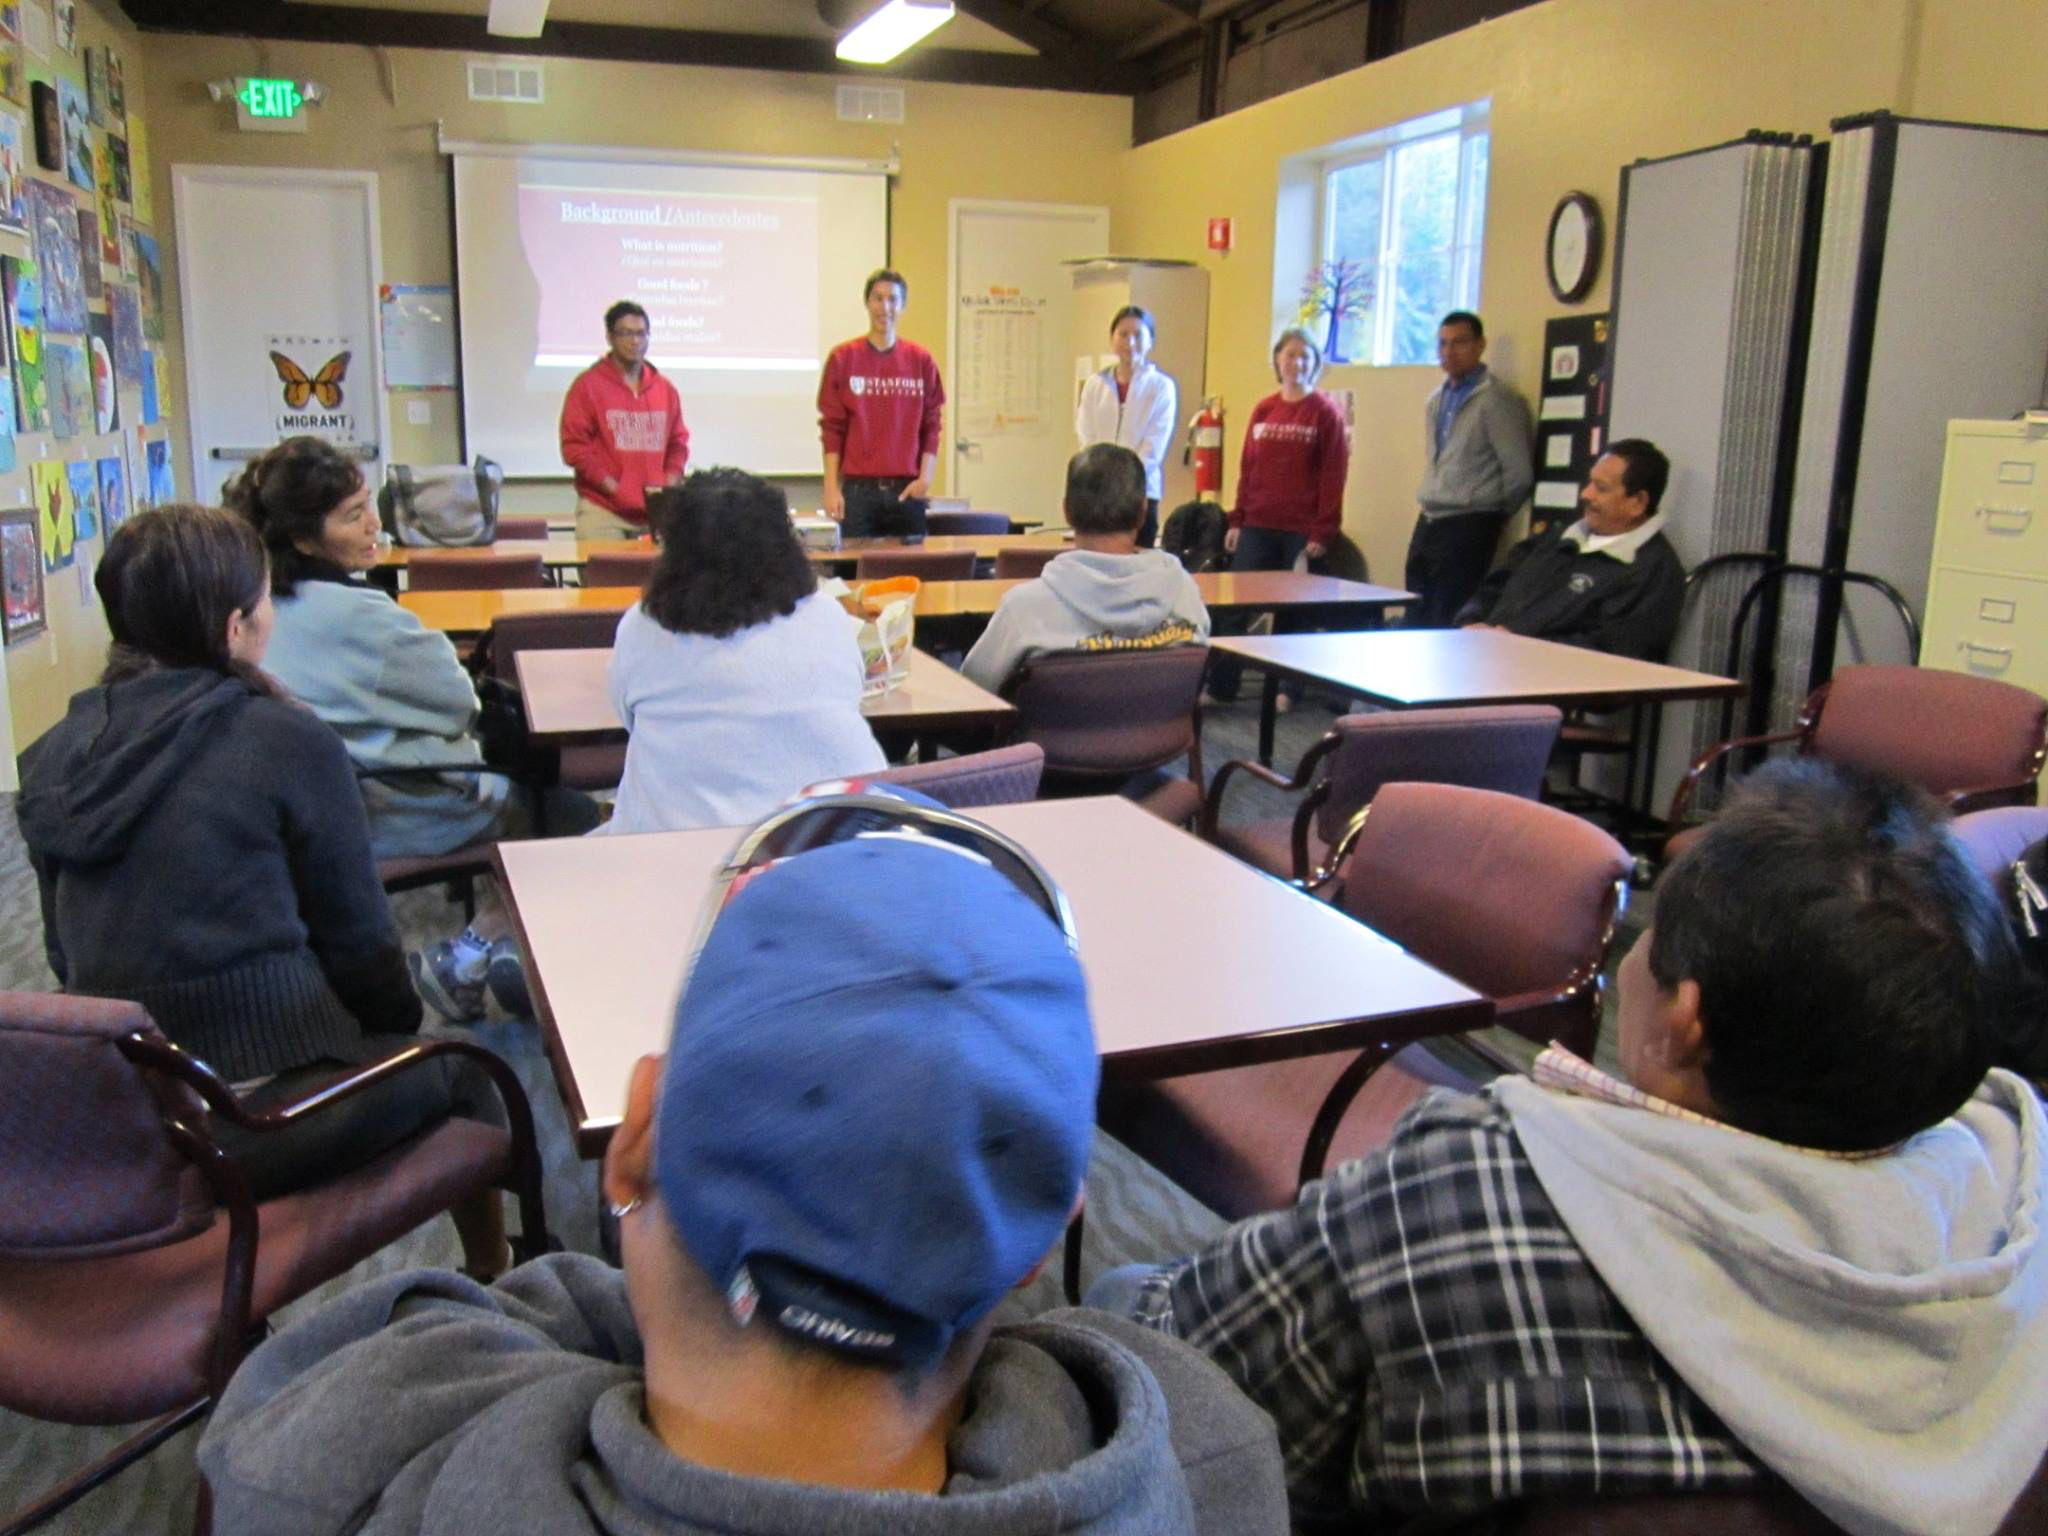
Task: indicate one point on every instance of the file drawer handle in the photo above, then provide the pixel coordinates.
(2005, 519)
(1975, 650)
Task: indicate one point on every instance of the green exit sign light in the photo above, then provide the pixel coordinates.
(270, 98)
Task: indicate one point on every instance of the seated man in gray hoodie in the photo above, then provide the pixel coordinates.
(1103, 594)
(1802, 1244)
(851, 1153)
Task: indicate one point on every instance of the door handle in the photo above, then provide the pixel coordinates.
(2005, 519)
(962, 445)
(1973, 649)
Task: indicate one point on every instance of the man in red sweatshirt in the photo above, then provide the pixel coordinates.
(622, 431)
(879, 407)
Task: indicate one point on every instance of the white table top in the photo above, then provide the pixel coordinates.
(1193, 958)
(1419, 667)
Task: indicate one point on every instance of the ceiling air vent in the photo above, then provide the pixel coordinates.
(490, 80)
(870, 104)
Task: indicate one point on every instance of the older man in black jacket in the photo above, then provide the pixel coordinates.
(1609, 582)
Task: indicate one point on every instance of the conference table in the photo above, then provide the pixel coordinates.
(1194, 960)
(956, 610)
(565, 553)
(568, 704)
(1443, 668)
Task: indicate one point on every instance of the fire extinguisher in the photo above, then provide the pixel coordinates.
(1205, 448)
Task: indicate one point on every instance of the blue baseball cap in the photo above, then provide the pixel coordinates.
(879, 1096)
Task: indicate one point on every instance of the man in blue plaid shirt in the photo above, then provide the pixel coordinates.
(1802, 1244)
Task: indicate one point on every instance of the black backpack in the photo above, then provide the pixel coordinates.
(1193, 535)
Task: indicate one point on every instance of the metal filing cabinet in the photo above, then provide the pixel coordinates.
(1987, 593)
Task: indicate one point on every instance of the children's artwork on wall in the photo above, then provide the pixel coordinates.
(13, 61)
(124, 183)
(13, 170)
(69, 390)
(162, 370)
(149, 280)
(53, 217)
(152, 403)
(162, 488)
(96, 85)
(52, 489)
(85, 498)
(106, 379)
(125, 310)
(89, 271)
(65, 13)
(117, 89)
(110, 216)
(25, 329)
(37, 33)
(77, 133)
(21, 575)
(113, 478)
(48, 120)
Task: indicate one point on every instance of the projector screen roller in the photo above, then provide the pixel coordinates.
(748, 276)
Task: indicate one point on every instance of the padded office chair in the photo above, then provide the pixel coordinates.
(1514, 898)
(939, 523)
(135, 1268)
(585, 766)
(1973, 742)
(925, 564)
(1502, 747)
(1110, 721)
(1004, 776)
(620, 570)
(449, 570)
(1996, 838)
(1021, 562)
(522, 528)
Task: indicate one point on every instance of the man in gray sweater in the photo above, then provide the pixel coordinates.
(863, 1137)
(1476, 449)
(1103, 594)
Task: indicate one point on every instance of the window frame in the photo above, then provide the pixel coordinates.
(1468, 124)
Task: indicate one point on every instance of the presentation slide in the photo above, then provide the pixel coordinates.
(748, 277)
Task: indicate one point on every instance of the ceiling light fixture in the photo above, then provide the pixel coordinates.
(895, 27)
(516, 18)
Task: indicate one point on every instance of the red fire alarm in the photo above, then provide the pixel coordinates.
(1219, 234)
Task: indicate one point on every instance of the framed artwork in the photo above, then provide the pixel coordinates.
(85, 497)
(106, 378)
(88, 254)
(48, 113)
(13, 59)
(53, 218)
(96, 86)
(21, 575)
(56, 525)
(77, 134)
(163, 489)
(149, 279)
(66, 16)
(117, 88)
(113, 476)
(126, 312)
(14, 172)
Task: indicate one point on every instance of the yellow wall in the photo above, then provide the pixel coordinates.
(955, 142)
(1981, 61)
(43, 672)
(1579, 88)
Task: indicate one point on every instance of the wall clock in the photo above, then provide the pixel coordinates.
(1571, 251)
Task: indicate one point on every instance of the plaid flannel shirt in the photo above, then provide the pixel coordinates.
(1428, 1337)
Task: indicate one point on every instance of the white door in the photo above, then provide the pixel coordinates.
(1010, 416)
(277, 275)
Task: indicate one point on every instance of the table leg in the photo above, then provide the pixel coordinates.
(1268, 713)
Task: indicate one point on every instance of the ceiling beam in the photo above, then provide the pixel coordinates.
(1023, 24)
(274, 20)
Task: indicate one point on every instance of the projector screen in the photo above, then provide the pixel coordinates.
(749, 275)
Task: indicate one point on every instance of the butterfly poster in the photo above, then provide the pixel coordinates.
(113, 478)
(64, 382)
(149, 279)
(313, 394)
(25, 329)
(85, 498)
(53, 217)
(51, 486)
(106, 378)
(162, 488)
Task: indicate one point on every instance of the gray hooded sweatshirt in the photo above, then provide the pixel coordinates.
(426, 1403)
(1087, 601)
(1874, 1330)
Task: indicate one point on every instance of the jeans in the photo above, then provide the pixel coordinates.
(876, 508)
(1258, 549)
(1447, 559)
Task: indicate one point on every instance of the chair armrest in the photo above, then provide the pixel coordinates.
(1303, 776)
(1983, 796)
(1682, 796)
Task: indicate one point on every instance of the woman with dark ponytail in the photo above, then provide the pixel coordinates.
(201, 849)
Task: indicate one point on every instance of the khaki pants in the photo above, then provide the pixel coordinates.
(595, 521)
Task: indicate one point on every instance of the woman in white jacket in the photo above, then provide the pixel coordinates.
(1133, 404)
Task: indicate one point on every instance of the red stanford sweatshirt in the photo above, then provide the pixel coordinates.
(879, 411)
(637, 439)
(1292, 475)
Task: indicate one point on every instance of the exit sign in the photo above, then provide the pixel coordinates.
(270, 106)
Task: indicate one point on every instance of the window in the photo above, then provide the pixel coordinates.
(1402, 212)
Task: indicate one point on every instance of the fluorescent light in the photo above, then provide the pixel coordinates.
(516, 18)
(895, 27)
